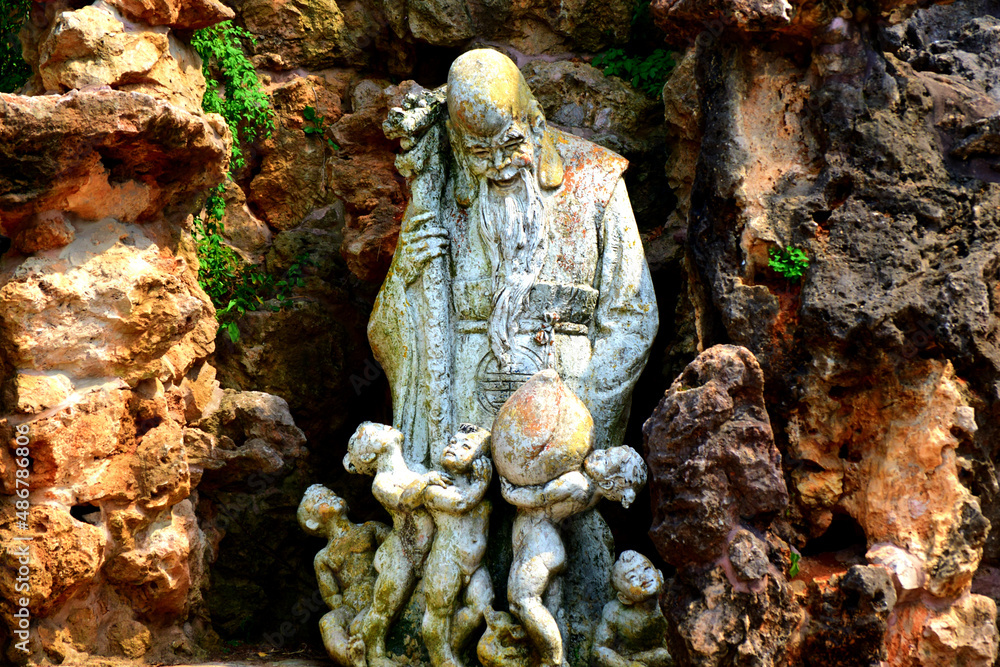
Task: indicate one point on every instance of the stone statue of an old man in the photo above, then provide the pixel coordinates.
(518, 252)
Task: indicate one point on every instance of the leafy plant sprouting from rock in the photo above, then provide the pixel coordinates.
(645, 68)
(315, 125)
(790, 263)
(234, 286)
(233, 90)
(13, 70)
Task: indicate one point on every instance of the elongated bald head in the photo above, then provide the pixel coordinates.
(496, 126)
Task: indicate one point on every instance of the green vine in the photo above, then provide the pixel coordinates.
(315, 125)
(14, 72)
(235, 286)
(639, 63)
(233, 90)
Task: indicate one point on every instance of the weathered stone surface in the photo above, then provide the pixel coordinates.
(964, 633)
(112, 303)
(47, 231)
(881, 363)
(937, 520)
(65, 556)
(91, 47)
(541, 432)
(847, 618)
(578, 98)
(291, 182)
(103, 153)
(712, 624)
(311, 354)
(711, 455)
(178, 14)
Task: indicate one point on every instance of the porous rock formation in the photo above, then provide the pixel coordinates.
(865, 135)
(105, 336)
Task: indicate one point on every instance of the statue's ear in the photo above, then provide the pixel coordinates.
(465, 191)
(624, 600)
(550, 167)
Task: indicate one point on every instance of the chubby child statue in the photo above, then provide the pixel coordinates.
(632, 631)
(345, 570)
(457, 588)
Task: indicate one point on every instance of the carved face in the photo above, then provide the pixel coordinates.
(319, 507)
(367, 444)
(619, 471)
(497, 158)
(464, 447)
(635, 578)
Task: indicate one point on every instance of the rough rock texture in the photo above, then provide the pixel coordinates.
(865, 136)
(714, 473)
(92, 47)
(712, 459)
(105, 335)
(103, 153)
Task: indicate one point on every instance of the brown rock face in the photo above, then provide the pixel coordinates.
(179, 14)
(711, 454)
(103, 154)
(83, 49)
(866, 144)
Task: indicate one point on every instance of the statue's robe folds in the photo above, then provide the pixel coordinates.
(595, 279)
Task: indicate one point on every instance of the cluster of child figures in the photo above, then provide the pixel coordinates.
(367, 572)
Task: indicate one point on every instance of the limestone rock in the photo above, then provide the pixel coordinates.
(312, 354)
(964, 633)
(163, 566)
(712, 624)
(104, 153)
(847, 618)
(254, 433)
(91, 47)
(178, 14)
(47, 231)
(112, 303)
(711, 456)
(66, 555)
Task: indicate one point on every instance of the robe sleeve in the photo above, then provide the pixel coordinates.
(624, 324)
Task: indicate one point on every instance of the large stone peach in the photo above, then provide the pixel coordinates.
(541, 432)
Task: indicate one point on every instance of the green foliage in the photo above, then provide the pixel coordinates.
(646, 73)
(234, 286)
(233, 87)
(315, 125)
(791, 263)
(793, 569)
(640, 62)
(14, 72)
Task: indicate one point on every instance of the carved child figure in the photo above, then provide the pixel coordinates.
(345, 569)
(376, 449)
(616, 473)
(632, 632)
(455, 500)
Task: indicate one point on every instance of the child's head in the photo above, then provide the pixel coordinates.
(468, 444)
(368, 443)
(619, 471)
(319, 506)
(634, 578)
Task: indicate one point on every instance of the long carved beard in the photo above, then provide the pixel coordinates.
(513, 229)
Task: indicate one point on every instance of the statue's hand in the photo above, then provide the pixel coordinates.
(419, 245)
(435, 478)
(482, 469)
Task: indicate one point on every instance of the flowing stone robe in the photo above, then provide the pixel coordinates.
(594, 278)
